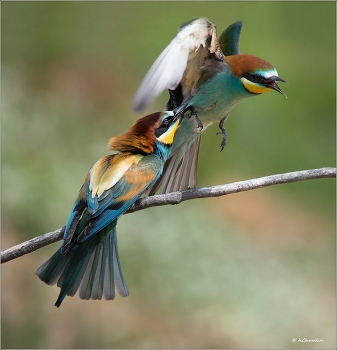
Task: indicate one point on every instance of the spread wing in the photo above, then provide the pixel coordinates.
(181, 62)
(114, 183)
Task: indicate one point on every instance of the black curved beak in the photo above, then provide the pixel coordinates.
(272, 84)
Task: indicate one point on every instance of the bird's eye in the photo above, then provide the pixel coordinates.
(258, 77)
(165, 124)
(167, 121)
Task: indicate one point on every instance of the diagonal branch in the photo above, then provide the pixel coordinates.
(176, 198)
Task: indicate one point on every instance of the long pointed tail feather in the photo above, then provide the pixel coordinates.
(93, 268)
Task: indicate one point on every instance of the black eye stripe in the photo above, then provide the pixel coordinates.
(255, 78)
(164, 126)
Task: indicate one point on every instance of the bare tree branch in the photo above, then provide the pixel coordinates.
(176, 198)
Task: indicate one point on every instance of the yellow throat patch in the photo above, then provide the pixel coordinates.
(253, 87)
(168, 136)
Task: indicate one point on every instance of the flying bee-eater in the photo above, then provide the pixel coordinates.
(206, 77)
(88, 259)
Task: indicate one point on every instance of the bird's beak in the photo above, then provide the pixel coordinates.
(177, 118)
(272, 84)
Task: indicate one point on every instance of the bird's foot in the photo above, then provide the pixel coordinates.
(223, 132)
(200, 125)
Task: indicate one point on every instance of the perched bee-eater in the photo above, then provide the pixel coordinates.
(88, 259)
(206, 77)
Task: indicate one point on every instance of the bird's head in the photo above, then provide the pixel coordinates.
(168, 126)
(141, 137)
(256, 75)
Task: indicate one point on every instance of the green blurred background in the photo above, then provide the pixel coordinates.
(250, 270)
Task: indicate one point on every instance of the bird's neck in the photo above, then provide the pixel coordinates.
(162, 151)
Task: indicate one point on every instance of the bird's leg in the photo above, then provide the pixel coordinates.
(195, 115)
(176, 98)
(223, 132)
(182, 109)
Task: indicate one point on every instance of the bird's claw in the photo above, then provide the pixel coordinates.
(223, 132)
(183, 109)
(200, 125)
